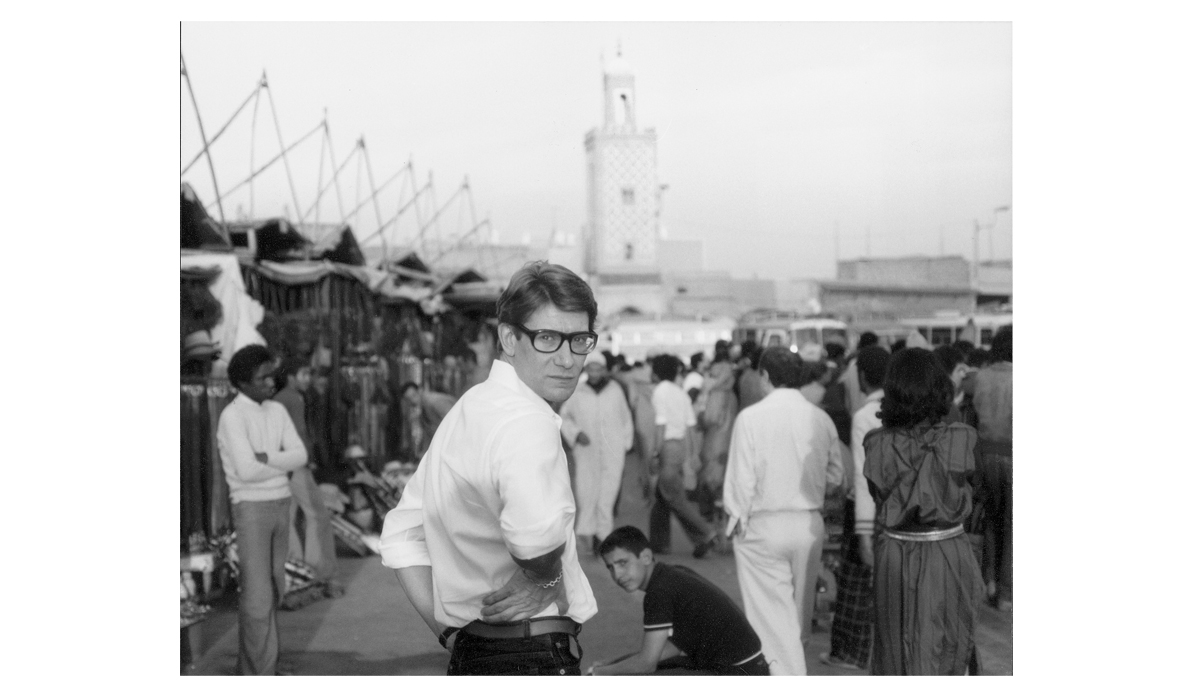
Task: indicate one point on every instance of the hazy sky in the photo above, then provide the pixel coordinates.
(771, 136)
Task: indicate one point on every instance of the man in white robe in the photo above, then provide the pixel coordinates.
(598, 428)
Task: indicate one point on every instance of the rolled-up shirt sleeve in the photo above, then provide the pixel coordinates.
(531, 478)
(402, 542)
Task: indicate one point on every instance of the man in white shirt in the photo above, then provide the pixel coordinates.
(482, 540)
(783, 457)
(259, 446)
(598, 428)
(674, 420)
(853, 620)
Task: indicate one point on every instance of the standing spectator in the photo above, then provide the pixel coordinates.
(316, 548)
(813, 371)
(483, 538)
(927, 583)
(259, 446)
(993, 402)
(639, 390)
(423, 412)
(750, 385)
(850, 638)
(673, 416)
(599, 430)
(694, 381)
(783, 458)
(854, 394)
(720, 409)
(955, 365)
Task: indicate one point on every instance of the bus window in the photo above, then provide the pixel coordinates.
(774, 341)
(941, 335)
(800, 336)
(835, 335)
(985, 336)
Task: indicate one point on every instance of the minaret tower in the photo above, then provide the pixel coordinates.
(621, 240)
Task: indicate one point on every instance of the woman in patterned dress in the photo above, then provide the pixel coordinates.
(920, 471)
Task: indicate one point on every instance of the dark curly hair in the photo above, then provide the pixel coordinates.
(915, 389)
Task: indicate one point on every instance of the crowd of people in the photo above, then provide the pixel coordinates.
(744, 449)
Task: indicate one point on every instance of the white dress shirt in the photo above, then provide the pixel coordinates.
(783, 453)
(864, 422)
(673, 408)
(492, 486)
(246, 427)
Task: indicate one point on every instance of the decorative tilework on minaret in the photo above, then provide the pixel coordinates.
(622, 184)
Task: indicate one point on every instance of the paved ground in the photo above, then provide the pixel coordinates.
(373, 630)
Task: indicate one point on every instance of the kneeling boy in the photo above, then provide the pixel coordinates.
(686, 618)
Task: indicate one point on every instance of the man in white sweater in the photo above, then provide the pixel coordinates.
(259, 446)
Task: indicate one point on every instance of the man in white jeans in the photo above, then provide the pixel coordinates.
(783, 456)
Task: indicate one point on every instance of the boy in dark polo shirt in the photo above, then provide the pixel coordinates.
(688, 623)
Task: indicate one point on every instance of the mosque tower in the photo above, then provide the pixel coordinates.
(621, 236)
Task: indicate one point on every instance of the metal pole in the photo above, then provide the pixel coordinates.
(196, 108)
(374, 193)
(286, 167)
(975, 255)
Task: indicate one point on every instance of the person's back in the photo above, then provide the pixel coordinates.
(993, 402)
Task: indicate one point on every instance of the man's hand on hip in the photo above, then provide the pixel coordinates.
(521, 599)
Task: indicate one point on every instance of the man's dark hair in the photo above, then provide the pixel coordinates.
(750, 349)
(949, 357)
(978, 358)
(408, 385)
(289, 368)
(721, 351)
(628, 538)
(873, 363)
(915, 390)
(781, 365)
(964, 346)
(245, 363)
(665, 367)
(835, 352)
(1002, 345)
(539, 283)
(696, 359)
(867, 339)
(899, 345)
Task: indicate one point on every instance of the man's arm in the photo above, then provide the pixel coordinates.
(740, 477)
(655, 645)
(835, 471)
(536, 505)
(237, 454)
(864, 504)
(291, 454)
(417, 582)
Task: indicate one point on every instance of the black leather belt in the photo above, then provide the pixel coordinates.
(523, 629)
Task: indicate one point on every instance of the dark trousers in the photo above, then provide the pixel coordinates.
(262, 544)
(554, 654)
(997, 553)
(670, 497)
(679, 666)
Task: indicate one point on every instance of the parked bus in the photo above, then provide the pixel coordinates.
(790, 329)
(945, 328)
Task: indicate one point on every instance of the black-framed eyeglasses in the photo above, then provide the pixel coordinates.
(548, 341)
